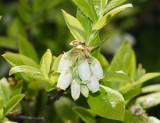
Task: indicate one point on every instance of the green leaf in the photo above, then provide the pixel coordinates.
(18, 59)
(75, 27)
(104, 62)
(8, 43)
(107, 103)
(140, 72)
(5, 91)
(143, 79)
(64, 107)
(151, 88)
(45, 63)
(84, 114)
(12, 103)
(117, 76)
(29, 71)
(1, 107)
(6, 121)
(131, 94)
(87, 7)
(56, 63)
(113, 4)
(104, 20)
(17, 89)
(26, 49)
(37, 85)
(86, 23)
(149, 100)
(99, 6)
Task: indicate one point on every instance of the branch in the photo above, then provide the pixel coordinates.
(50, 101)
(20, 117)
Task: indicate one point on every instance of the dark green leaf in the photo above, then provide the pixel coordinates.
(8, 43)
(37, 85)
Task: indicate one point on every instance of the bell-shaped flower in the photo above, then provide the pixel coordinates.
(65, 61)
(84, 90)
(84, 71)
(152, 119)
(75, 88)
(96, 68)
(94, 84)
(136, 110)
(65, 78)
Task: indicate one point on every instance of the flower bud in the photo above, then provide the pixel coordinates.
(96, 68)
(84, 90)
(94, 84)
(65, 78)
(65, 61)
(136, 110)
(153, 120)
(84, 71)
(75, 88)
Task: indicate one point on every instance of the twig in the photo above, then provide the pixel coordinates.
(20, 117)
(50, 101)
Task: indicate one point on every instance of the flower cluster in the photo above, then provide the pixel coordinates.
(81, 70)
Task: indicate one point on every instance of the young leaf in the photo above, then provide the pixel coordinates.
(64, 109)
(99, 6)
(56, 63)
(84, 114)
(12, 103)
(104, 20)
(45, 63)
(143, 79)
(151, 88)
(29, 71)
(5, 91)
(117, 76)
(107, 103)
(17, 89)
(26, 49)
(87, 7)
(113, 4)
(75, 27)
(1, 107)
(18, 59)
(104, 62)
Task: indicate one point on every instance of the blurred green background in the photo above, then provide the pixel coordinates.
(42, 23)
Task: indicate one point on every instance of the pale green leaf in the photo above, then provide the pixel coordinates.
(75, 27)
(113, 4)
(104, 62)
(29, 71)
(12, 103)
(151, 88)
(45, 63)
(104, 20)
(56, 63)
(18, 59)
(26, 49)
(99, 6)
(5, 91)
(17, 89)
(1, 106)
(107, 103)
(88, 8)
(84, 114)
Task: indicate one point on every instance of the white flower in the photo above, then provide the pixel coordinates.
(65, 62)
(96, 68)
(75, 88)
(136, 110)
(65, 79)
(152, 119)
(84, 71)
(84, 90)
(94, 84)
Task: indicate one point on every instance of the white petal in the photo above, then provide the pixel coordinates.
(136, 110)
(65, 62)
(84, 71)
(75, 90)
(84, 90)
(96, 69)
(64, 80)
(94, 84)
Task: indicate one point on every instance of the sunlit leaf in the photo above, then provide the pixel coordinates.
(151, 88)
